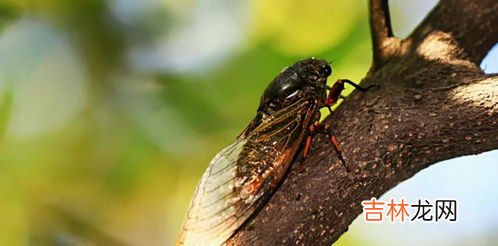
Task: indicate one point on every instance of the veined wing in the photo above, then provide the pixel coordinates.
(242, 176)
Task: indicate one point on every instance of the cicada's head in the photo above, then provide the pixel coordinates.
(313, 71)
(305, 78)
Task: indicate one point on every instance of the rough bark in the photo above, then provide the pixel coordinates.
(434, 103)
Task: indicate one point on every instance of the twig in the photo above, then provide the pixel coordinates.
(383, 40)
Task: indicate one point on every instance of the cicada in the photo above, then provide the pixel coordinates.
(245, 174)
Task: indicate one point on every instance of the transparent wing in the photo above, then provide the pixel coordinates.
(243, 175)
(211, 214)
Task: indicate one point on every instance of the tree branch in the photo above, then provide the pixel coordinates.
(473, 24)
(384, 44)
(434, 103)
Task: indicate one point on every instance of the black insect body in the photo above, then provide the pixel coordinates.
(242, 176)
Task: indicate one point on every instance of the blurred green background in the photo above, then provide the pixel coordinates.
(111, 110)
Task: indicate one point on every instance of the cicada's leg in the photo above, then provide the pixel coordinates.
(332, 98)
(306, 148)
(312, 131)
(337, 88)
(307, 145)
(315, 128)
(325, 129)
(329, 106)
(357, 86)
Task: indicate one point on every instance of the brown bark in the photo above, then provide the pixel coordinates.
(384, 43)
(434, 103)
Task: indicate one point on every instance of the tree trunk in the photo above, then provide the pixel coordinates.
(434, 103)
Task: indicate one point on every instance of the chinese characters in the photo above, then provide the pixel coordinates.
(401, 211)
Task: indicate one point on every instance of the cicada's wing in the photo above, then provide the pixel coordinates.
(212, 210)
(242, 176)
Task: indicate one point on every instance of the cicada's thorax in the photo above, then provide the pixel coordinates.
(293, 84)
(288, 88)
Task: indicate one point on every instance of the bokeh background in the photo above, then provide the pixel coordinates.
(111, 110)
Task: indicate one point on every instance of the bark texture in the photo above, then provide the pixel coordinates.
(434, 103)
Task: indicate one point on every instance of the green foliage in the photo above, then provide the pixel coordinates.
(129, 157)
(5, 107)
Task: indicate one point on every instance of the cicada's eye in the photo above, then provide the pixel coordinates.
(327, 70)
